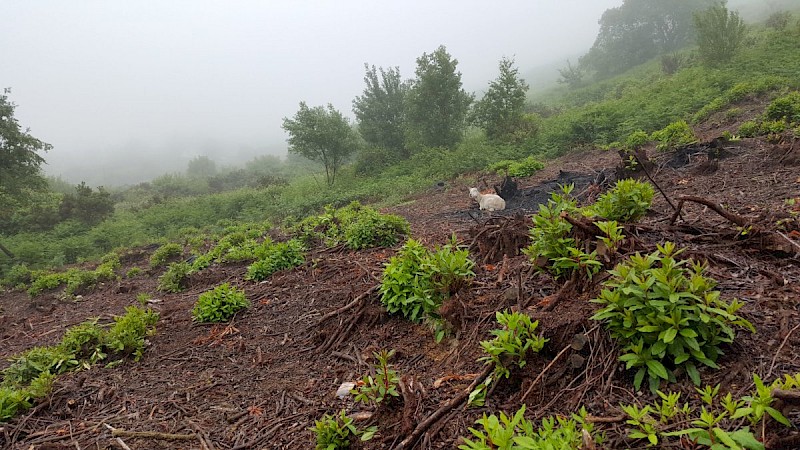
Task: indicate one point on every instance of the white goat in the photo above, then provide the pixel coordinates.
(492, 202)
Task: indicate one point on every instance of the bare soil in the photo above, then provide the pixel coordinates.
(260, 381)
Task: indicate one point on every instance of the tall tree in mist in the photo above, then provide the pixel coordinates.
(20, 163)
(323, 135)
(501, 110)
(437, 104)
(640, 30)
(719, 33)
(380, 110)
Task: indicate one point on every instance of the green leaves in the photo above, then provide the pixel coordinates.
(627, 201)
(416, 281)
(333, 432)
(512, 343)
(666, 315)
(323, 135)
(383, 385)
(274, 257)
(516, 433)
(219, 304)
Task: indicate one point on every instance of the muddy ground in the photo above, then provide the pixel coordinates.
(260, 381)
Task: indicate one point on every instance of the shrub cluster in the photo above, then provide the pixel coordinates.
(417, 281)
(164, 254)
(273, 257)
(666, 315)
(74, 280)
(219, 304)
(674, 135)
(357, 226)
(32, 372)
(516, 432)
(517, 168)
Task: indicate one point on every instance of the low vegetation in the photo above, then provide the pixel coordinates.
(31, 373)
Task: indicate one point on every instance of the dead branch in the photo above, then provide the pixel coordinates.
(116, 432)
(541, 374)
(350, 305)
(780, 347)
(451, 404)
(738, 220)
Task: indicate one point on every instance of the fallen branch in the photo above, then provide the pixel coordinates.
(453, 403)
(350, 305)
(780, 347)
(116, 432)
(738, 220)
(541, 374)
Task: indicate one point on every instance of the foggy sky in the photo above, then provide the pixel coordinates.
(120, 88)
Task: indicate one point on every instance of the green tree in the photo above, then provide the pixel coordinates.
(201, 167)
(571, 75)
(639, 30)
(720, 33)
(86, 205)
(380, 111)
(437, 105)
(323, 135)
(20, 162)
(501, 110)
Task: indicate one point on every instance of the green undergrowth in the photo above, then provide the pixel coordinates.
(74, 280)
(706, 420)
(417, 281)
(32, 372)
(666, 315)
(219, 304)
(355, 225)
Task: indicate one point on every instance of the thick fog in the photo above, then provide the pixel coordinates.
(126, 91)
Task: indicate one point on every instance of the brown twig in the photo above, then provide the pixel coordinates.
(541, 374)
(423, 426)
(350, 305)
(780, 347)
(738, 220)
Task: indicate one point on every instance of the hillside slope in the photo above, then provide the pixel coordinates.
(262, 380)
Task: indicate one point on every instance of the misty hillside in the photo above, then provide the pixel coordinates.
(624, 273)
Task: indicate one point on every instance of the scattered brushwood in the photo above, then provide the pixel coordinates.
(500, 237)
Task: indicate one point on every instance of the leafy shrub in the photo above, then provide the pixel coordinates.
(517, 168)
(27, 366)
(334, 432)
(382, 386)
(75, 280)
(417, 281)
(176, 278)
(637, 139)
(133, 272)
(516, 432)
(627, 201)
(127, 335)
(18, 275)
(373, 229)
(673, 135)
(85, 341)
(356, 225)
(749, 128)
(275, 257)
(551, 247)
(15, 399)
(219, 304)
(164, 254)
(784, 108)
(661, 311)
(512, 343)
